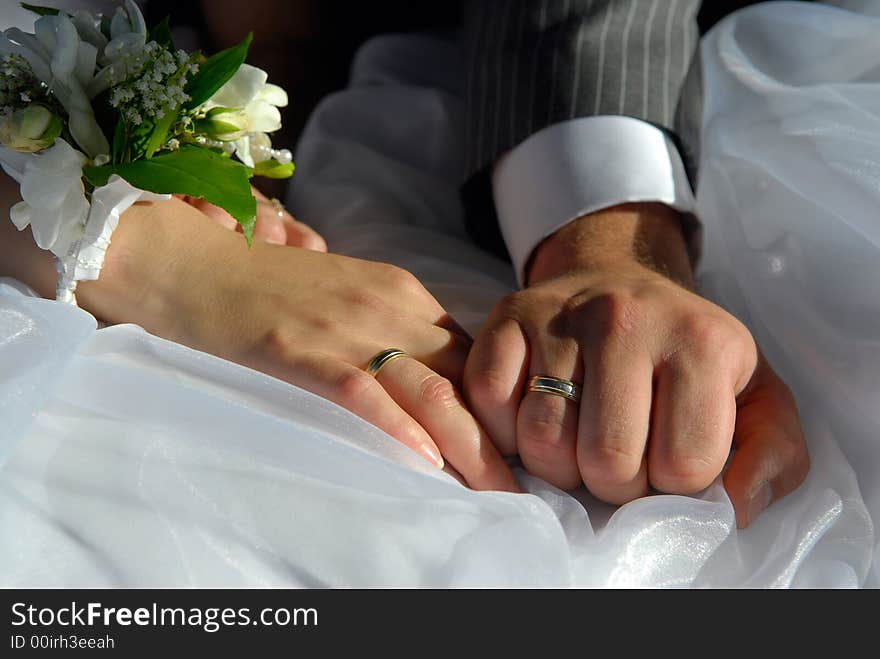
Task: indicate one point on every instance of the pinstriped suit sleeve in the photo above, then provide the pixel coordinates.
(587, 69)
(534, 63)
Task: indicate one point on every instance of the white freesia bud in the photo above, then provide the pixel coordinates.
(129, 20)
(59, 58)
(29, 129)
(54, 203)
(257, 100)
(224, 124)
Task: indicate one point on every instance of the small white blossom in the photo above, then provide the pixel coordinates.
(153, 81)
(258, 101)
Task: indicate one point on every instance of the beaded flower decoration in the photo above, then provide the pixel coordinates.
(97, 113)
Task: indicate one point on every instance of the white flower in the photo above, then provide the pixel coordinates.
(128, 34)
(54, 203)
(247, 89)
(59, 58)
(123, 52)
(29, 129)
(128, 21)
(258, 101)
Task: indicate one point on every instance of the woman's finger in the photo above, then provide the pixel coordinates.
(359, 393)
(273, 223)
(216, 213)
(436, 405)
(269, 225)
(293, 232)
(302, 235)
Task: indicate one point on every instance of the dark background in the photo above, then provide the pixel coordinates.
(307, 45)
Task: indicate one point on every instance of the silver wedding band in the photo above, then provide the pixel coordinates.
(547, 384)
(383, 358)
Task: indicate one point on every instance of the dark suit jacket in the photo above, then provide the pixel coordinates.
(533, 63)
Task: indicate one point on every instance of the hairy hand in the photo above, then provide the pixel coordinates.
(670, 380)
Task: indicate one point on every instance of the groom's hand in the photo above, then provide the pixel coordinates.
(669, 380)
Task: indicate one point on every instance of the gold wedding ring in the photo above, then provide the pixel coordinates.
(547, 384)
(387, 356)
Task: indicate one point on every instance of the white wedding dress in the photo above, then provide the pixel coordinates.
(126, 460)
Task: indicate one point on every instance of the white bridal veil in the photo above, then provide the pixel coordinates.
(128, 460)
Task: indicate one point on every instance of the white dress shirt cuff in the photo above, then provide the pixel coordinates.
(577, 167)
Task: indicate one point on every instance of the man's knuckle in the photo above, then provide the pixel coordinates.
(617, 314)
(543, 427)
(610, 463)
(683, 474)
(540, 445)
(709, 337)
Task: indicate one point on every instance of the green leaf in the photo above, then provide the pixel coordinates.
(136, 144)
(273, 169)
(160, 131)
(191, 171)
(42, 11)
(162, 34)
(215, 72)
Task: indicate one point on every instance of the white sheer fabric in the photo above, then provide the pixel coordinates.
(128, 460)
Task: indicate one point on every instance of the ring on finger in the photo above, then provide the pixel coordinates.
(277, 206)
(547, 384)
(383, 358)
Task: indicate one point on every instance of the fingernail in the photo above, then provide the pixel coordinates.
(759, 501)
(433, 454)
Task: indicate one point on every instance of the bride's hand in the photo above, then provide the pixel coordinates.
(310, 318)
(274, 224)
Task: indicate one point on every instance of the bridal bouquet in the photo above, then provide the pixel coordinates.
(97, 112)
